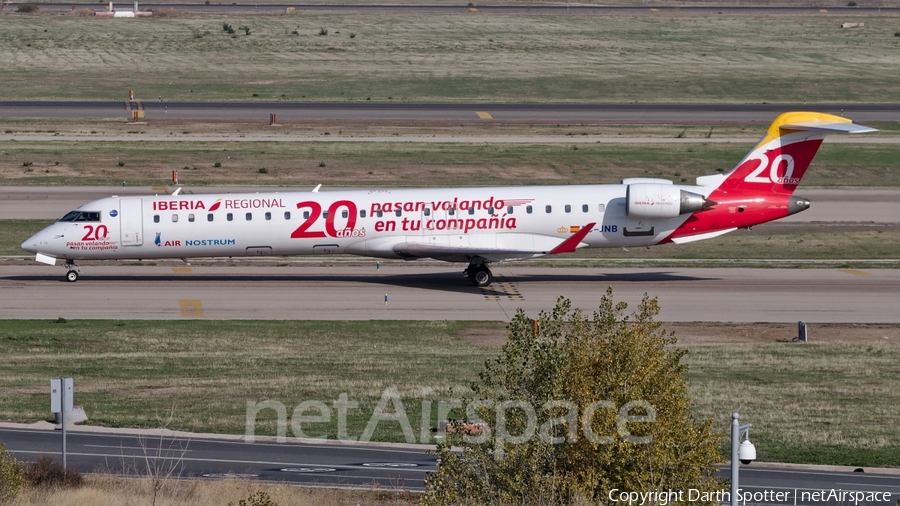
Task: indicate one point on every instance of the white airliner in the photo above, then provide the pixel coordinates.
(476, 226)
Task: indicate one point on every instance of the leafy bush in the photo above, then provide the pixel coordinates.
(27, 8)
(121, 163)
(323, 31)
(257, 499)
(553, 374)
(352, 35)
(47, 473)
(217, 164)
(228, 28)
(12, 480)
(263, 171)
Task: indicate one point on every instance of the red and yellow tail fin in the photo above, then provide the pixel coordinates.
(778, 162)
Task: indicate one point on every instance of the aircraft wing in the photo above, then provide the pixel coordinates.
(491, 248)
(460, 254)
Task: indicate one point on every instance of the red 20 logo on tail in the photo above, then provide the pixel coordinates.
(781, 169)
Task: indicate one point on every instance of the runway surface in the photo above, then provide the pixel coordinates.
(438, 112)
(352, 465)
(879, 205)
(438, 292)
(461, 7)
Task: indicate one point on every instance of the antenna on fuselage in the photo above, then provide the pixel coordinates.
(316, 189)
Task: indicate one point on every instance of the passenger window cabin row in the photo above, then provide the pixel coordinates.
(362, 214)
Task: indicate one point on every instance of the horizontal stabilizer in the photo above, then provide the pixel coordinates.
(818, 125)
(701, 237)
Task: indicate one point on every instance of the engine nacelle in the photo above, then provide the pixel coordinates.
(658, 201)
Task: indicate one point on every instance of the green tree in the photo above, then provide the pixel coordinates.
(610, 411)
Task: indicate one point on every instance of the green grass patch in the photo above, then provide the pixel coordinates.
(139, 373)
(411, 165)
(14, 232)
(778, 241)
(824, 402)
(559, 56)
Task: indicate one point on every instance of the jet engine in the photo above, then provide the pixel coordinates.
(659, 201)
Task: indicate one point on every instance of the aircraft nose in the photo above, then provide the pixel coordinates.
(39, 242)
(30, 244)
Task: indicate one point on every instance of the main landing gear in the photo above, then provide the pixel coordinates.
(480, 274)
(73, 271)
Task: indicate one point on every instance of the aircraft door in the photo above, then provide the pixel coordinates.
(131, 221)
(429, 220)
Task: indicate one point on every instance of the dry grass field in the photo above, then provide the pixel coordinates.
(522, 56)
(389, 164)
(106, 490)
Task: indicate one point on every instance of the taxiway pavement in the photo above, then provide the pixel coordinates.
(438, 292)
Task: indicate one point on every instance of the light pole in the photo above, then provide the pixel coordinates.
(740, 452)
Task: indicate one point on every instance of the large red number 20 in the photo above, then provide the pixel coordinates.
(315, 210)
(95, 234)
(332, 213)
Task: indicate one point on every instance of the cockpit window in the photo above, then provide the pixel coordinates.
(93, 216)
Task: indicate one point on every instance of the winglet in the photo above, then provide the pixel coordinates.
(571, 244)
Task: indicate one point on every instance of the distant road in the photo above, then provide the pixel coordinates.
(437, 112)
(386, 467)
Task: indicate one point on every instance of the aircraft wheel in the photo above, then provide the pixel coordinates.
(72, 276)
(482, 276)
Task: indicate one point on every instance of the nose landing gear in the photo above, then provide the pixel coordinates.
(73, 271)
(480, 275)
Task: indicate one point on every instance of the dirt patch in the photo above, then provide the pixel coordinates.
(492, 337)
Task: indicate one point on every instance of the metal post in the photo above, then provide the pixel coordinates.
(62, 382)
(735, 444)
